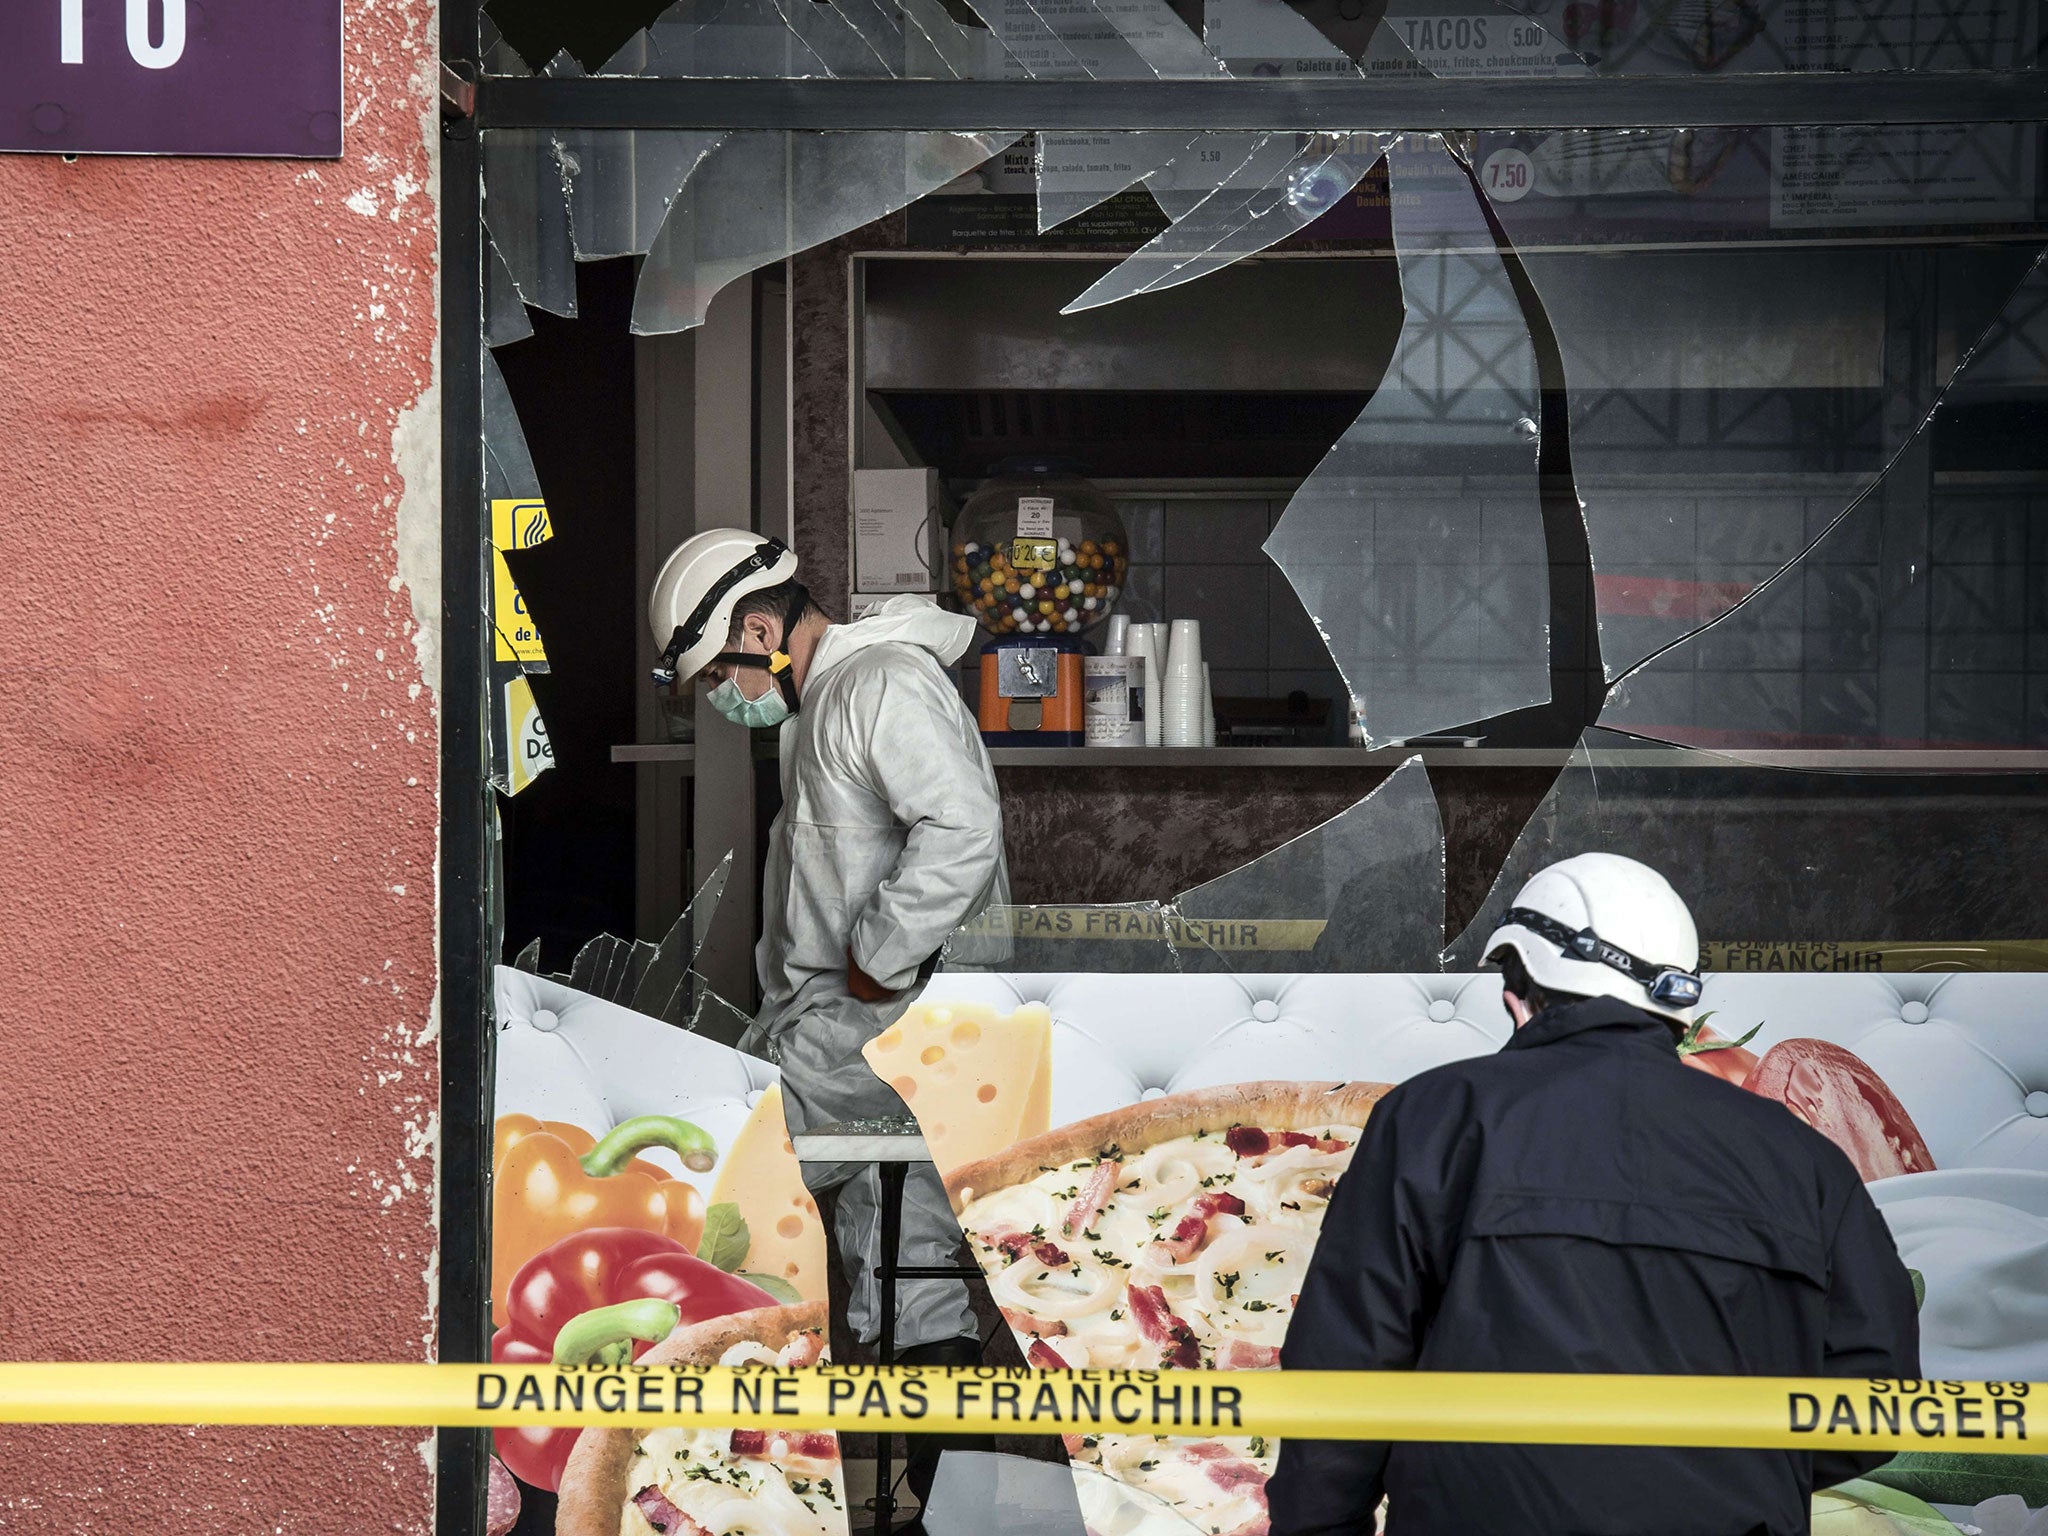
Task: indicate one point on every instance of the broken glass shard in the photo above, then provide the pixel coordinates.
(709, 39)
(505, 318)
(882, 30)
(1031, 47)
(712, 1016)
(1215, 161)
(628, 966)
(669, 969)
(528, 959)
(1417, 545)
(526, 211)
(508, 466)
(621, 182)
(1915, 618)
(1128, 39)
(591, 962)
(1269, 39)
(939, 46)
(1255, 207)
(825, 29)
(1363, 892)
(1728, 397)
(1079, 171)
(758, 197)
(498, 56)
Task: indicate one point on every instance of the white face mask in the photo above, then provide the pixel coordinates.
(770, 709)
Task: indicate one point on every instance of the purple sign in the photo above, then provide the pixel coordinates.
(171, 77)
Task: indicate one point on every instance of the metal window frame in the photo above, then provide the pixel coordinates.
(1704, 101)
(462, 1318)
(473, 104)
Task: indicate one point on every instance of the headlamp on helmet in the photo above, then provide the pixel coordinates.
(1668, 986)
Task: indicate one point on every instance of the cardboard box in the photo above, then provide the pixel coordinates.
(899, 530)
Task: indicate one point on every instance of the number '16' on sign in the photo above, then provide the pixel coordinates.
(161, 54)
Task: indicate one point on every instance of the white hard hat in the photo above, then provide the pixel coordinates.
(690, 609)
(1600, 925)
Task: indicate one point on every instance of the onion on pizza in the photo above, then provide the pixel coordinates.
(702, 1482)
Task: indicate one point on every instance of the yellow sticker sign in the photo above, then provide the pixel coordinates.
(515, 524)
(1478, 1407)
(530, 754)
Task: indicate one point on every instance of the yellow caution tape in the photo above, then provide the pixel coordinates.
(1139, 924)
(1147, 925)
(1748, 1411)
(1885, 955)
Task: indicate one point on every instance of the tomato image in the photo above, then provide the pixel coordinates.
(1836, 1092)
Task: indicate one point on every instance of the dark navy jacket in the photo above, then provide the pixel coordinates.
(1583, 1201)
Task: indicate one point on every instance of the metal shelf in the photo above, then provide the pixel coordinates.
(1260, 757)
(1879, 761)
(1838, 761)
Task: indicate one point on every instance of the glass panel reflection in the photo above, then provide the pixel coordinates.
(1417, 546)
(1362, 892)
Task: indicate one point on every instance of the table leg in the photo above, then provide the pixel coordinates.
(892, 1175)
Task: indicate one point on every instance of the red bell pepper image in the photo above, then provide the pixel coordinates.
(602, 1297)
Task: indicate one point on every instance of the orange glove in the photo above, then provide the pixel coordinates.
(864, 987)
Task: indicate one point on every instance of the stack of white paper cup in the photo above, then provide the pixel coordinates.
(1116, 637)
(1161, 641)
(1147, 665)
(1183, 685)
(1208, 709)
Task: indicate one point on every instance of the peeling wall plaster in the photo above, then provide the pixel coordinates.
(218, 689)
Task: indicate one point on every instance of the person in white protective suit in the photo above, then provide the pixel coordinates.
(890, 837)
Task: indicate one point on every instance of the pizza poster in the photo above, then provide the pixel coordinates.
(646, 1205)
(1141, 1165)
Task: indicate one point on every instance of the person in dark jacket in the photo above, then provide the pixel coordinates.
(1584, 1202)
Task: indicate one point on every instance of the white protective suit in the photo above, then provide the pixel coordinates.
(890, 836)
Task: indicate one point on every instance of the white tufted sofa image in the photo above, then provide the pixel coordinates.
(1967, 1054)
(565, 1055)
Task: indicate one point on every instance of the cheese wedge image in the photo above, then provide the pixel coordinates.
(761, 1176)
(976, 1079)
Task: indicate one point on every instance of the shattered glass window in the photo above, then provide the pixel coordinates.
(1417, 546)
(1677, 492)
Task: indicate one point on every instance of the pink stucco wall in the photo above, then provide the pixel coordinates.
(217, 528)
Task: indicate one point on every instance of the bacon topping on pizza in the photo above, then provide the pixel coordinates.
(1093, 1197)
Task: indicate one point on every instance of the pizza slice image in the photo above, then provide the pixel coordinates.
(1173, 1233)
(713, 1482)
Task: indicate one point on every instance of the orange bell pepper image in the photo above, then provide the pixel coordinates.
(550, 1179)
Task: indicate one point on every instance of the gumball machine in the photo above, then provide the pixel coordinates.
(1039, 555)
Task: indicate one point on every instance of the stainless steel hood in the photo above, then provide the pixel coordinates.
(1328, 324)
(1281, 325)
